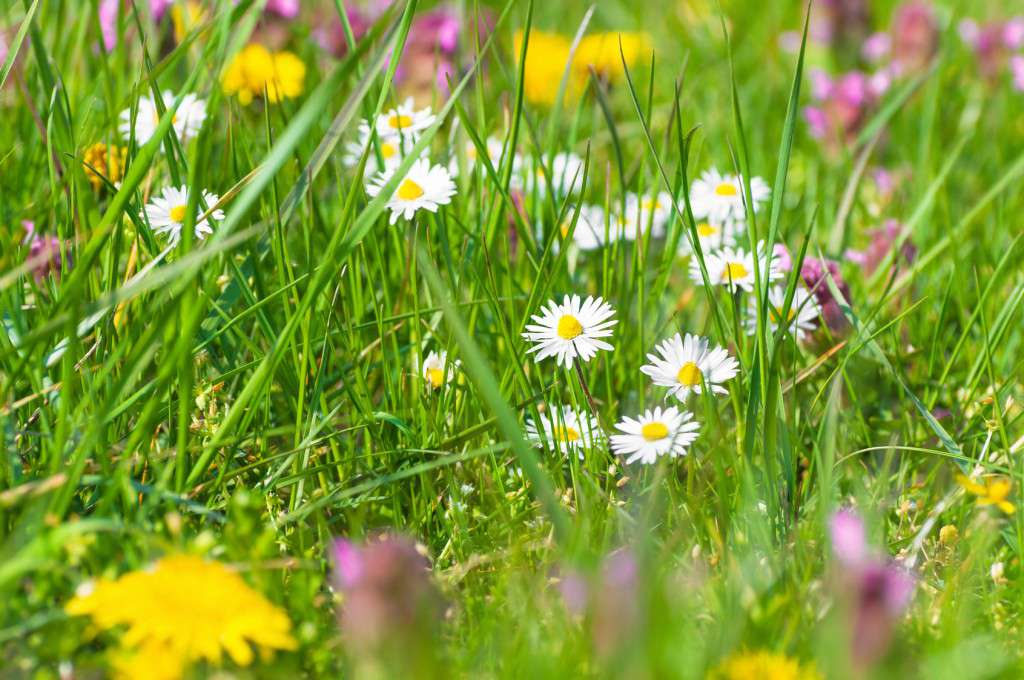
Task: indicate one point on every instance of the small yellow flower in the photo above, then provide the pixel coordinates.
(186, 18)
(763, 666)
(256, 69)
(182, 610)
(104, 162)
(994, 491)
(548, 53)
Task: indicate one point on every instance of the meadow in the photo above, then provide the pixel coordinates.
(505, 339)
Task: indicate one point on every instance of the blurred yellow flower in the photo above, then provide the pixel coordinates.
(181, 610)
(104, 162)
(548, 53)
(763, 666)
(186, 18)
(994, 491)
(256, 69)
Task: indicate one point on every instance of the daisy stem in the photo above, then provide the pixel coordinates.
(586, 391)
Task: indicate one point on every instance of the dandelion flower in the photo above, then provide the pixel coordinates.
(762, 665)
(186, 609)
(187, 120)
(801, 319)
(717, 197)
(566, 429)
(437, 371)
(994, 491)
(104, 164)
(689, 364)
(255, 70)
(571, 329)
(732, 268)
(166, 213)
(404, 120)
(423, 187)
(661, 432)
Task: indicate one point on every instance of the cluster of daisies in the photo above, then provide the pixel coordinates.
(576, 330)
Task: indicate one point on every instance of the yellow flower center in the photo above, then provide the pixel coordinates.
(775, 313)
(689, 375)
(566, 435)
(388, 150)
(178, 213)
(704, 229)
(652, 432)
(735, 271)
(565, 229)
(435, 376)
(409, 190)
(397, 121)
(569, 327)
(726, 189)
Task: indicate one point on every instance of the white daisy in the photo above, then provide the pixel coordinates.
(712, 235)
(564, 175)
(690, 365)
(424, 186)
(717, 197)
(495, 147)
(404, 120)
(733, 268)
(590, 232)
(656, 433)
(187, 121)
(392, 151)
(571, 329)
(565, 429)
(648, 213)
(802, 317)
(437, 371)
(166, 213)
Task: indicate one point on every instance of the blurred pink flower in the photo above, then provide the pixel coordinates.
(43, 252)
(610, 600)
(994, 45)
(286, 9)
(389, 599)
(877, 47)
(877, 590)
(883, 240)
(843, 103)
(840, 23)
(1017, 69)
(915, 35)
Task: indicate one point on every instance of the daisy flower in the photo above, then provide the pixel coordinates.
(688, 365)
(801, 319)
(733, 268)
(656, 433)
(717, 197)
(571, 329)
(590, 232)
(392, 151)
(495, 147)
(425, 186)
(565, 170)
(437, 371)
(187, 121)
(712, 236)
(566, 429)
(404, 120)
(166, 213)
(646, 213)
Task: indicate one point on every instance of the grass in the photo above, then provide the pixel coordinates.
(252, 396)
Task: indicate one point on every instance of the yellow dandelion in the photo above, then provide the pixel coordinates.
(994, 491)
(182, 610)
(763, 665)
(548, 53)
(256, 70)
(104, 162)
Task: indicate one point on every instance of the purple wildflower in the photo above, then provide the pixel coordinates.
(610, 600)
(843, 103)
(43, 252)
(883, 240)
(915, 36)
(878, 590)
(389, 600)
